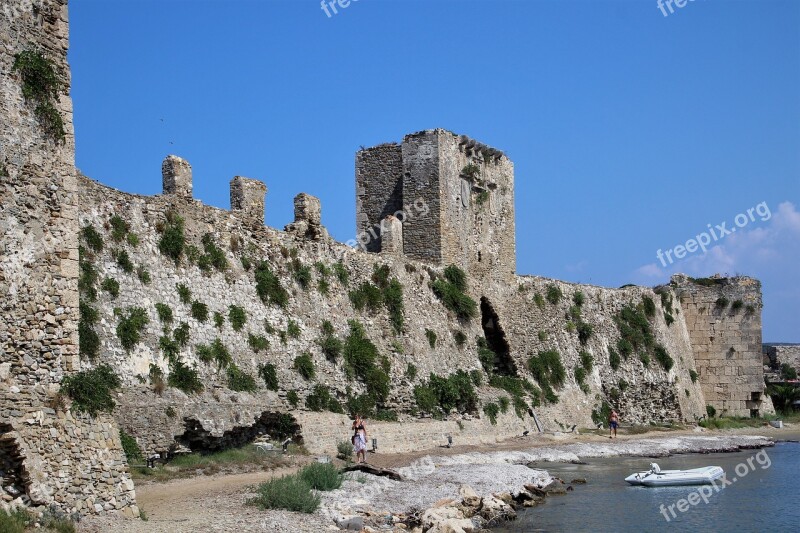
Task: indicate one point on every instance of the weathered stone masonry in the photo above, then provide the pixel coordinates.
(433, 200)
(468, 188)
(52, 456)
(723, 316)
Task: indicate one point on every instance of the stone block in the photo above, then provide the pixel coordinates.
(176, 176)
(248, 197)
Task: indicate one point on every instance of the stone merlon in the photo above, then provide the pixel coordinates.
(176, 176)
(248, 197)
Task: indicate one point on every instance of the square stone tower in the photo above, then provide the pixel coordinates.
(453, 195)
(723, 318)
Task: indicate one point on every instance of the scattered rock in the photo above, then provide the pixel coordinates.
(578, 481)
(453, 525)
(469, 496)
(351, 523)
(494, 509)
(435, 515)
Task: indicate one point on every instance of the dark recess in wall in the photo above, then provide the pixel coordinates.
(496, 337)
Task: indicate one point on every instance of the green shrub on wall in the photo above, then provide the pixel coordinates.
(199, 311)
(451, 292)
(257, 343)
(216, 351)
(184, 377)
(123, 260)
(341, 273)
(360, 357)
(130, 326)
(92, 238)
(213, 257)
(181, 334)
(111, 286)
(548, 371)
(237, 317)
(91, 390)
(320, 399)
(133, 454)
(491, 410)
(431, 335)
(239, 380)
(143, 275)
(613, 358)
(172, 239)
(269, 287)
(553, 294)
(301, 274)
(164, 313)
(40, 87)
(269, 374)
(88, 340)
(184, 293)
(331, 347)
(292, 398)
(304, 365)
(119, 228)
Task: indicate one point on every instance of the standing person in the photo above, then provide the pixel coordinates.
(613, 422)
(360, 440)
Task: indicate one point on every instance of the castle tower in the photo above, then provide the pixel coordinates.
(453, 195)
(723, 317)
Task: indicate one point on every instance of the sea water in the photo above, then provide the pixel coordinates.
(762, 494)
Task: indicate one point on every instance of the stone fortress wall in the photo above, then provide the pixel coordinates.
(783, 354)
(48, 455)
(510, 306)
(723, 316)
(460, 193)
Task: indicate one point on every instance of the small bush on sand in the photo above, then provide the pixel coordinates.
(286, 492)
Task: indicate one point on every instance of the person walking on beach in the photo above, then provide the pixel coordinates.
(613, 422)
(360, 439)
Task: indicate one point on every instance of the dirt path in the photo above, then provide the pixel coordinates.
(205, 504)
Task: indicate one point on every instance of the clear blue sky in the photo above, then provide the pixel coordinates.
(630, 131)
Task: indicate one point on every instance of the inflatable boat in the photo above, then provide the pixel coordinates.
(655, 477)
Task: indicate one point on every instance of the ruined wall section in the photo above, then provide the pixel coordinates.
(477, 211)
(144, 414)
(59, 458)
(379, 191)
(783, 354)
(39, 255)
(723, 317)
(422, 182)
(640, 393)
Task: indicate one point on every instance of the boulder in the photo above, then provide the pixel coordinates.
(351, 523)
(435, 515)
(494, 509)
(506, 497)
(453, 525)
(469, 496)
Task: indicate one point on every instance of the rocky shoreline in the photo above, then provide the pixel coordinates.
(474, 491)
